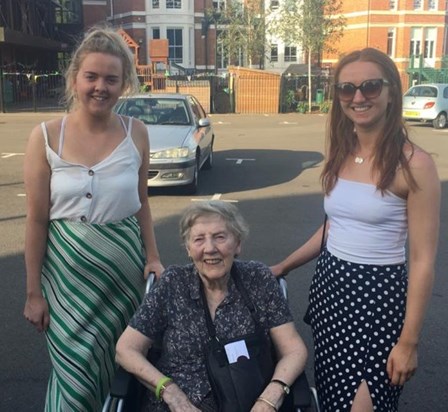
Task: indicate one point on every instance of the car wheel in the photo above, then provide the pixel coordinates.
(440, 121)
(192, 187)
(209, 162)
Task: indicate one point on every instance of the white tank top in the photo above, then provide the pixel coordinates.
(106, 192)
(366, 226)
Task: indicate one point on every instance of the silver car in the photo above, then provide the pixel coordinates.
(181, 137)
(427, 103)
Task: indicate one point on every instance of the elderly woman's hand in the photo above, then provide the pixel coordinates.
(177, 401)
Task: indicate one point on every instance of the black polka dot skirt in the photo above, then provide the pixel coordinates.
(357, 313)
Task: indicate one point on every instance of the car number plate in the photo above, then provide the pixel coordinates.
(410, 114)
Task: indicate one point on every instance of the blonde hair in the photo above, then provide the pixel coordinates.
(101, 40)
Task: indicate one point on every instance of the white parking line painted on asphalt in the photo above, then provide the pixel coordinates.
(216, 196)
(240, 161)
(221, 122)
(285, 122)
(21, 195)
(6, 155)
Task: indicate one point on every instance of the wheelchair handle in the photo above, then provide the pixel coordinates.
(150, 281)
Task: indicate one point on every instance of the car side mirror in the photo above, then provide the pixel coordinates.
(204, 122)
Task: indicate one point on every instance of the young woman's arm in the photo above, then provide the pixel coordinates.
(308, 251)
(144, 216)
(423, 208)
(37, 186)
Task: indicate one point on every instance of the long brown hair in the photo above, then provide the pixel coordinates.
(341, 136)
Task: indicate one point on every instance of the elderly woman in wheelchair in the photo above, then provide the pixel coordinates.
(216, 319)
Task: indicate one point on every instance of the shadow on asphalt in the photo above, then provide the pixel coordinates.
(248, 170)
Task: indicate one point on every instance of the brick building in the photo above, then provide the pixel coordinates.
(192, 43)
(412, 32)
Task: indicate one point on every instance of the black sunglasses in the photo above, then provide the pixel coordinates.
(369, 88)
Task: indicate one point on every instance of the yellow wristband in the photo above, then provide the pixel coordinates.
(161, 385)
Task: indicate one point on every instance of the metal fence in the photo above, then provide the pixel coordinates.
(242, 91)
(30, 91)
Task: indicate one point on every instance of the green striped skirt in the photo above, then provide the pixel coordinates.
(92, 279)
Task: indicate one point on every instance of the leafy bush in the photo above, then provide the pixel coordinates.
(302, 107)
(325, 106)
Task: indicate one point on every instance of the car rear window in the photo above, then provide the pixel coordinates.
(422, 91)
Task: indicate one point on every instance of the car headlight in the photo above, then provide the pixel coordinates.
(174, 153)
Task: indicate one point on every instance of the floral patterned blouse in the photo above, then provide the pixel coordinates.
(172, 313)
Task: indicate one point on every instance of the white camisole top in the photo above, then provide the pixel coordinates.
(366, 226)
(106, 192)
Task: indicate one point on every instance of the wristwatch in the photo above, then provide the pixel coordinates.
(284, 386)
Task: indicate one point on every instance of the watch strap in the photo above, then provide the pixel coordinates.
(285, 387)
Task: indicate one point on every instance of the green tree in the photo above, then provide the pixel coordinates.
(315, 25)
(242, 32)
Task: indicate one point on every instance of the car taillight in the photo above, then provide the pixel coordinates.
(429, 105)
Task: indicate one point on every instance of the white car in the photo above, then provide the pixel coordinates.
(181, 137)
(427, 103)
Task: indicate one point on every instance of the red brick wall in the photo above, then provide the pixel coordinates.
(371, 29)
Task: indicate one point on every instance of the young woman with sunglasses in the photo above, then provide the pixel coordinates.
(367, 300)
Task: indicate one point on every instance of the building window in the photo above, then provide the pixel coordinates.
(222, 60)
(155, 4)
(390, 42)
(290, 54)
(274, 53)
(275, 4)
(430, 40)
(432, 4)
(416, 41)
(175, 45)
(173, 4)
(418, 4)
(429, 49)
(155, 33)
(393, 4)
(219, 5)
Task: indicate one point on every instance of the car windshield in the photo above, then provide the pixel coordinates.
(154, 110)
(422, 91)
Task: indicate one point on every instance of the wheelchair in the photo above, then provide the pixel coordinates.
(126, 392)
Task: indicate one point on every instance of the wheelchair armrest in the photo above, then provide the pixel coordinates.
(301, 392)
(121, 384)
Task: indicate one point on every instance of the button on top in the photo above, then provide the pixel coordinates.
(83, 219)
(91, 172)
(89, 195)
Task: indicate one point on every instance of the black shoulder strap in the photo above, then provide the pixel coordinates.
(322, 242)
(239, 285)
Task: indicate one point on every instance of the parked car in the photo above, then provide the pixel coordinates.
(181, 137)
(427, 103)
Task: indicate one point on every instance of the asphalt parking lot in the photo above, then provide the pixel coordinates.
(269, 165)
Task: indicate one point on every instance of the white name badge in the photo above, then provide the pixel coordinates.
(236, 350)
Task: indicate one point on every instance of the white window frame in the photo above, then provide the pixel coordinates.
(176, 47)
(290, 57)
(173, 4)
(432, 4)
(391, 35)
(275, 59)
